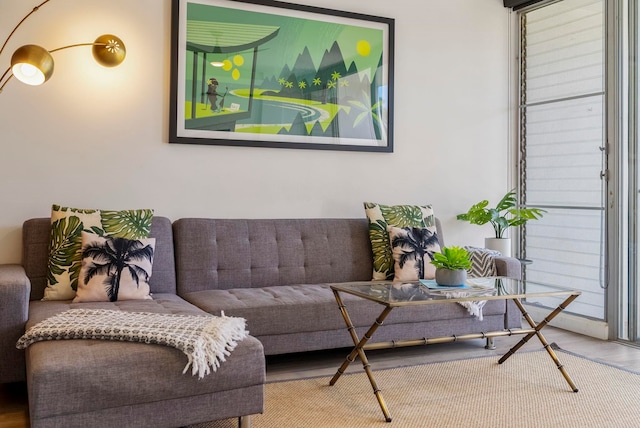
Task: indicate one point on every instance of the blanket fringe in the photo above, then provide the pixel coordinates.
(208, 352)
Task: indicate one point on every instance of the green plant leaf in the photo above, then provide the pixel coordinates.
(59, 208)
(503, 216)
(97, 230)
(74, 270)
(403, 215)
(131, 224)
(64, 244)
(452, 258)
(382, 259)
(508, 201)
(358, 104)
(360, 118)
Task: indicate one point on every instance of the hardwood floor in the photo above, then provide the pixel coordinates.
(13, 397)
(14, 412)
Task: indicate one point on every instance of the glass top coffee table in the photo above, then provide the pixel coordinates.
(395, 295)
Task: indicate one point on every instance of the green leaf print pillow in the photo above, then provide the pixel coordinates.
(65, 245)
(380, 218)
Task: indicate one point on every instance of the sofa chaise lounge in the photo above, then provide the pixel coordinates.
(274, 273)
(96, 383)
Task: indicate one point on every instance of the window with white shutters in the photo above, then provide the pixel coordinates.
(563, 149)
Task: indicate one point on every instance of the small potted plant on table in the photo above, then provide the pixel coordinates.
(451, 266)
(502, 217)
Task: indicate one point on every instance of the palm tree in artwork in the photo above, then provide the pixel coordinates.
(415, 243)
(112, 257)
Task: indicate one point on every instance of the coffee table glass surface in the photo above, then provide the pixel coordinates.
(427, 292)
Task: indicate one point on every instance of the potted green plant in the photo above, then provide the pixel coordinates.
(502, 217)
(451, 266)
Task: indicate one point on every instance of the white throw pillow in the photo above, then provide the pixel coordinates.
(114, 269)
(412, 249)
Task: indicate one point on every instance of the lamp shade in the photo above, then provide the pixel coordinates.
(109, 50)
(32, 64)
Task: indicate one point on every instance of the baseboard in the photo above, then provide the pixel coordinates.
(589, 327)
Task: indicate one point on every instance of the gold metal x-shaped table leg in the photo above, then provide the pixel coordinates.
(537, 328)
(359, 351)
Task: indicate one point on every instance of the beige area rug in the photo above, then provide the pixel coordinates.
(525, 391)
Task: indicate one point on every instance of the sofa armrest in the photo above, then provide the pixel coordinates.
(14, 312)
(509, 267)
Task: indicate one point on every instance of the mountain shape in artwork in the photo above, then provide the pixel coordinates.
(342, 125)
(303, 67)
(304, 81)
(286, 71)
(332, 62)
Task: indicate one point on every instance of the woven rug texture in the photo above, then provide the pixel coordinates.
(525, 391)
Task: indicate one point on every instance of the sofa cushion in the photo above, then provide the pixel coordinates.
(312, 307)
(412, 249)
(75, 376)
(380, 218)
(114, 268)
(35, 255)
(65, 254)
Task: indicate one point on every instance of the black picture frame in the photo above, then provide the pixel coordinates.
(294, 76)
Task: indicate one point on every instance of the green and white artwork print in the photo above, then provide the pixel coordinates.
(380, 218)
(65, 245)
(281, 75)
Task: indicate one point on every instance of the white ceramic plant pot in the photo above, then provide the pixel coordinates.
(451, 277)
(503, 245)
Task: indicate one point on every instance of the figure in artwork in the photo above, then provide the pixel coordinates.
(212, 93)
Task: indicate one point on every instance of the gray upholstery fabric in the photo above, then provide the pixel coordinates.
(329, 339)
(14, 298)
(509, 267)
(169, 413)
(273, 273)
(35, 255)
(312, 307)
(70, 377)
(229, 254)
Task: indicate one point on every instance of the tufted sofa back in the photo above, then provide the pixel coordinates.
(233, 253)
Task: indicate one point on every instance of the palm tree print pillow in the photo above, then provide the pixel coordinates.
(380, 218)
(65, 245)
(412, 249)
(114, 269)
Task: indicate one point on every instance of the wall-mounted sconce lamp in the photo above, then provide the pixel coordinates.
(33, 64)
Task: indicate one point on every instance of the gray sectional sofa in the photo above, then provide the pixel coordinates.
(273, 273)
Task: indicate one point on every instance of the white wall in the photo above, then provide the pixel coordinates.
(97, 138)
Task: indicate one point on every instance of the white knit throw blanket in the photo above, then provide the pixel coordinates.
(205, 340)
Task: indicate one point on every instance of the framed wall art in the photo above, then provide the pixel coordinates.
(272, 74)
